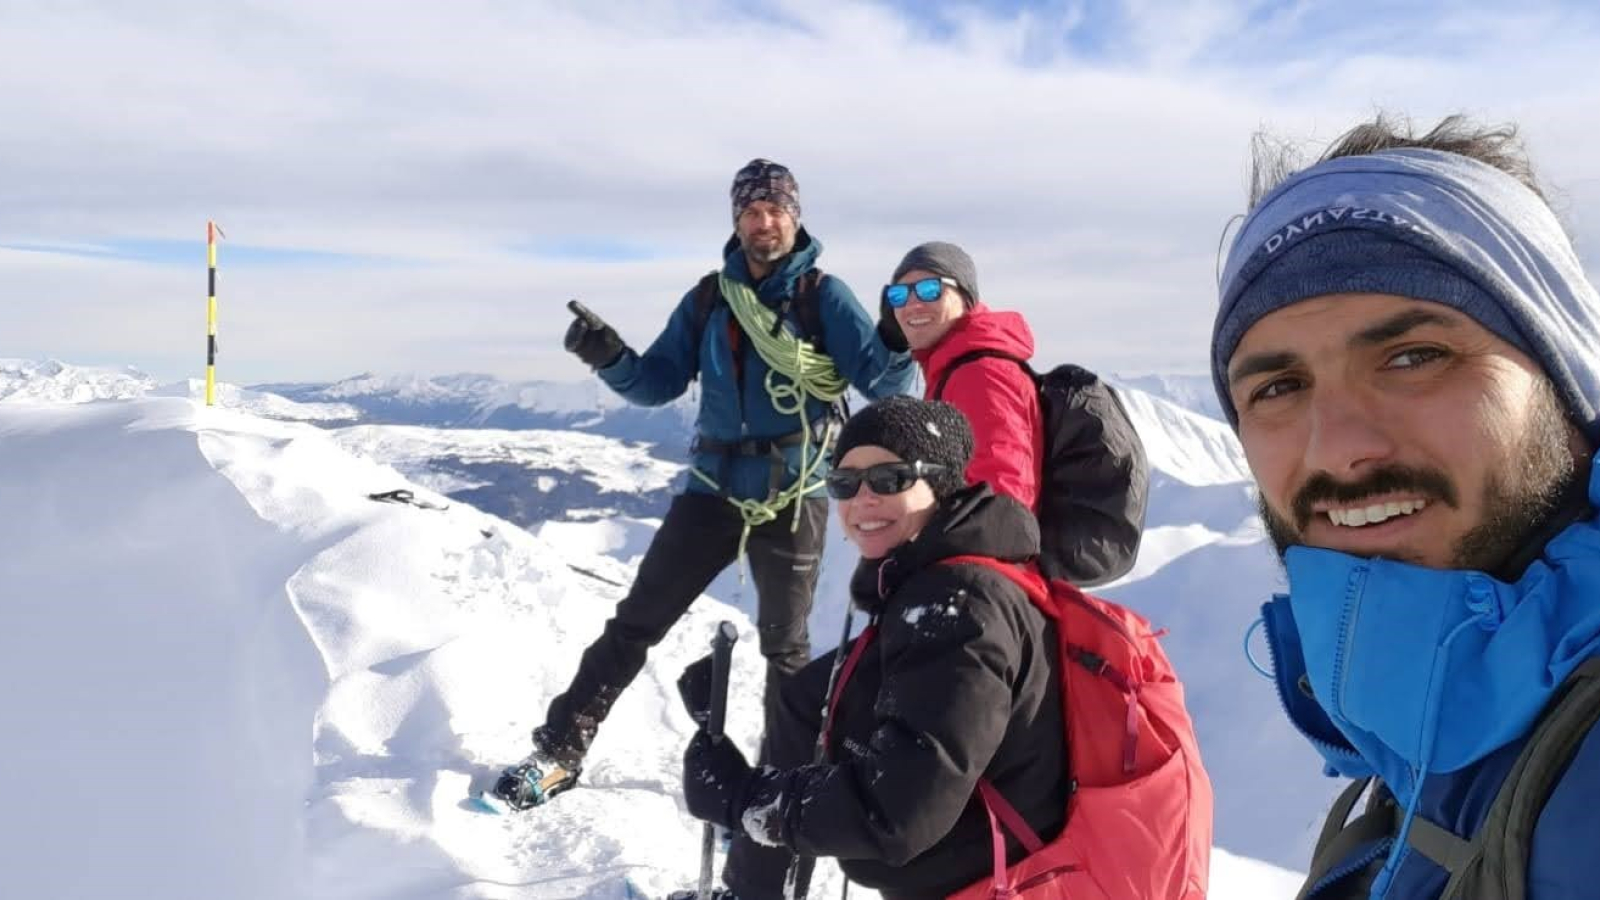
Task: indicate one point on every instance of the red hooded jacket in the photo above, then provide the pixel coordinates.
(997, 397)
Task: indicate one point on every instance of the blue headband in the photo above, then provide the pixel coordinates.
(1424, 224)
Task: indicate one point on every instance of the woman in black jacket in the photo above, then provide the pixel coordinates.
(958, 681)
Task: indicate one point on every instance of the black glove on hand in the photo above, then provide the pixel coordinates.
(716, 780)
(694, 686)
(889, 330)
(595, 342)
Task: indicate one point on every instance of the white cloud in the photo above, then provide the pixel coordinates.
(1090, 187)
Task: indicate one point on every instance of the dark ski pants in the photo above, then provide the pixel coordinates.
(698, 538)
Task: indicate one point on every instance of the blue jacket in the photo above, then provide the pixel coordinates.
(736, 408)
(1432, 679)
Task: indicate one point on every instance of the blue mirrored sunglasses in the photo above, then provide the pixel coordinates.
(927, 290)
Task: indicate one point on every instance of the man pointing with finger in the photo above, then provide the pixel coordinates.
(774, 343)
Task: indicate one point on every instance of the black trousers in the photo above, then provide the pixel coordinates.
(698, 538)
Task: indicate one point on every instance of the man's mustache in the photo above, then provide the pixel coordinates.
(1429, 484)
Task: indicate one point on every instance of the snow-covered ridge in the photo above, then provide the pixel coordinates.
(52, 381)
(261, 403)
(1193, 448)
(1202, 572)
(180, 644)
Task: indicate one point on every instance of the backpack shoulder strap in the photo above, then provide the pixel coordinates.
(706, 295)
(808, 310)
(1342, 836)
(1030, 582)
(972, 356)
(1497, 865)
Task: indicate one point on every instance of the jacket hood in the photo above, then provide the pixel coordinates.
(973, 521)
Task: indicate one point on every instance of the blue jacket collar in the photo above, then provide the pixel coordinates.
(1416, 670)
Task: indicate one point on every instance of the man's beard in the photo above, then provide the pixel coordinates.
(1520, 500)
(770, 251)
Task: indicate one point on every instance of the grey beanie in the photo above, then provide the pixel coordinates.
(928, 430)
(945, 259)
(1424, 224)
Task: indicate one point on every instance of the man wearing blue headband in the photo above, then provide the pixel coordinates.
(1410, 353)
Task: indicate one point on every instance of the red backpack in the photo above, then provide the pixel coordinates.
(1139, 814)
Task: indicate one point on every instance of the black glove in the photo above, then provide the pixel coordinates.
(595, 342)
(694, 686)
(889, 330)
(716, 780)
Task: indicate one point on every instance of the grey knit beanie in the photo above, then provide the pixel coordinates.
(928, 430)
(945, 259)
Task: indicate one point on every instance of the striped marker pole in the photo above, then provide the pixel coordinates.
(211, 311)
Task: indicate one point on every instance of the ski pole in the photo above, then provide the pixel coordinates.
(796, 885)
(721, 656)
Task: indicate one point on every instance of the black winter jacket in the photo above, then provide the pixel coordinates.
(961, 682)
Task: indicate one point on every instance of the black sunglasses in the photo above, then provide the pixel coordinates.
(884, 478)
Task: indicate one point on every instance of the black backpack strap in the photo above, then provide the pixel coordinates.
(1494, 864)
(807, 311)
(1339, 813)
(973, 355)
(1497, 867)
(1342, 837)
(706, 295)
(1448, 850)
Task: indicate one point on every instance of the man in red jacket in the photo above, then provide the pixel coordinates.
(934, 309)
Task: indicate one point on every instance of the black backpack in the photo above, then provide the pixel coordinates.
(1094, 481)
(1493, 865)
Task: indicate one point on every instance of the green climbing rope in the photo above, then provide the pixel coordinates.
(806, 372)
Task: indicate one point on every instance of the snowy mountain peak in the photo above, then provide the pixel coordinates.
(58, 382)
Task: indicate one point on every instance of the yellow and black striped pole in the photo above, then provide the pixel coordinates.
(211, 311)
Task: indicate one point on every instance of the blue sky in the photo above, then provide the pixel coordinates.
(409, 188)
(174, 252)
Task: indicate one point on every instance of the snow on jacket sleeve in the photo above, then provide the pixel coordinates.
(1002, 404)
(663, 372)
(851, 337)
(942, 710)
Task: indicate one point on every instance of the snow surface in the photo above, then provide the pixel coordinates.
(484, 394)
(231, 675)
(611, 465)
(25, 379)
(1195, 393)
